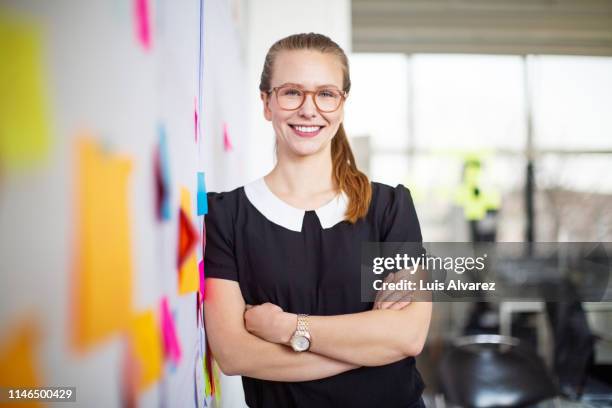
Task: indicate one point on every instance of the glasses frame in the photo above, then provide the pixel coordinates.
(343, 96)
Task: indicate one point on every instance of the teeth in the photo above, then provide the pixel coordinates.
(307, 128)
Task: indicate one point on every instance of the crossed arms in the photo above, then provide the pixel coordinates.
(253, 340)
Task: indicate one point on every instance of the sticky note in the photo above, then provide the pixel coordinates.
(216, 382)
(188, 238)
(202, 280)
(24, 122)
(18, 346)
(102, 281)
(227, 141)
(189, 278)
(172, 347)
(142, 23)
(210, 387)
(196, 122)
(202, 199)
(147, 346)
(161, 168)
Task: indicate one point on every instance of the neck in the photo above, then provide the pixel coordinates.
(303, 176)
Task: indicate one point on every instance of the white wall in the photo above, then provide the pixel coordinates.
(99, 79)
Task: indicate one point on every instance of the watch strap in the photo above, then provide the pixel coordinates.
(302, 323)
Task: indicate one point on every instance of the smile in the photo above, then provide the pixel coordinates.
(306, 131)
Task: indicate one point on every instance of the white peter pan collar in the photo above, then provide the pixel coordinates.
(283, 214)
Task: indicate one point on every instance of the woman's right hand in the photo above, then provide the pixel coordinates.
(394, 299)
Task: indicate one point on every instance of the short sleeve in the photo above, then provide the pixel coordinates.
(219, 254)
(400, 222)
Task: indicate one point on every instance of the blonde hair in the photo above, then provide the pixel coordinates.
(346, 175)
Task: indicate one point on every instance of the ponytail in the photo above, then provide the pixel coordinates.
(348, 178)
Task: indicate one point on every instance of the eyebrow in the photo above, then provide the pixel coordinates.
(302, 86)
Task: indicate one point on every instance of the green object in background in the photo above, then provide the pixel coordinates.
(475, 201)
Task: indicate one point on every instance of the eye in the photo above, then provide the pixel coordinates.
(329, 93)
(290, 92)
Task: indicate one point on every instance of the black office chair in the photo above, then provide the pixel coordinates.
(486, 371)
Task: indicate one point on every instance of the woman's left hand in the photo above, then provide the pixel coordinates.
(269, 322)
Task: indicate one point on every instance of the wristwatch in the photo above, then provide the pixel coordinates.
(300, 341)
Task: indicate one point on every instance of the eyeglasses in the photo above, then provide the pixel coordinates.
(291, 97)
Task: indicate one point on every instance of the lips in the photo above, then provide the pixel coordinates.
(306, 131)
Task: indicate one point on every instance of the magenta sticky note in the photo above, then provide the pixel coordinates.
(142, 23)
(172, 347)
(202, 282)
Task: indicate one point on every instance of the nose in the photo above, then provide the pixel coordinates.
(308, 108)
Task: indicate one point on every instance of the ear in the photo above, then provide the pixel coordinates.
(265, 98)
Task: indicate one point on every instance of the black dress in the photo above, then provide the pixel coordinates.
(309, 262)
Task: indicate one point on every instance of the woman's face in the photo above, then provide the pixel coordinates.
(306, 130)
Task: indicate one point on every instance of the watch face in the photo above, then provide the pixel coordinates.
(300, 343)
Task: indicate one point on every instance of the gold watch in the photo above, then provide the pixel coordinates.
(300, 341)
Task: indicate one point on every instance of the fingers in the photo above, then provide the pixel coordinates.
(265, 306)
(391, 305)
(398, 305)
(394, 296)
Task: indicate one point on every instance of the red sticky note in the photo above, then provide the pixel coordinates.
(187, 240)
(188, 237)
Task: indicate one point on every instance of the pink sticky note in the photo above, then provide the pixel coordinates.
(227, 142)
(202, 284)
(141, 23)
(172, 348)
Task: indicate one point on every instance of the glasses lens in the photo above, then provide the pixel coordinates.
(328, 100)
(289, 97)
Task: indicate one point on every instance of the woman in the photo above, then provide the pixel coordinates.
(283, 305)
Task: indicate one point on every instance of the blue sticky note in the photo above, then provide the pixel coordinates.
(202, 199)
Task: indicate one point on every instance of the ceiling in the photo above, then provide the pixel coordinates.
(564, 27)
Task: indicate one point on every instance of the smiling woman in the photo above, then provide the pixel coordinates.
(283, 305)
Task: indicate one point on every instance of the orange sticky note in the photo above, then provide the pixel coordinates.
(147, 347)
(102, 288)
(189, 276)
(17, 358)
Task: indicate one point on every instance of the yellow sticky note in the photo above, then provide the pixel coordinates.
(102, 290)
(24, 127)
(216, 375)
(17, 358)
(147, 348)
(189, 275)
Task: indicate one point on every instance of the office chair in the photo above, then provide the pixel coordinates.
(486, 371)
